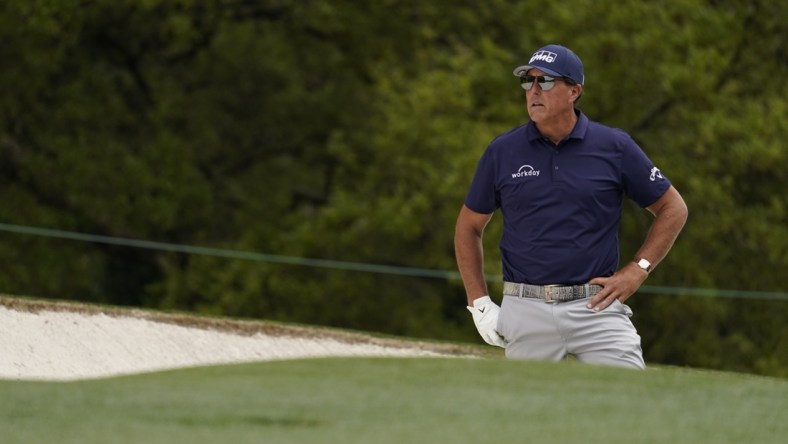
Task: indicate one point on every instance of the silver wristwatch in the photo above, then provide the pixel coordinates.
(644, 264)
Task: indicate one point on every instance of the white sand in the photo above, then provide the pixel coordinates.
(69, 345)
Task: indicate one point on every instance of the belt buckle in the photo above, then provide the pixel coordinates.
(550, 293)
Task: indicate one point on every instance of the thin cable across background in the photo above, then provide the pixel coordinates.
(345, 265)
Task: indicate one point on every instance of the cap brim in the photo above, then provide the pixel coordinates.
(521, 70)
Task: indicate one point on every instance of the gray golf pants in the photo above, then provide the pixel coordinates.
(536, 330)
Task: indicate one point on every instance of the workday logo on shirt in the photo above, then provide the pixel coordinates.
(525, 171)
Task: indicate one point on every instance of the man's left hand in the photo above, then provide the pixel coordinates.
(623, 284)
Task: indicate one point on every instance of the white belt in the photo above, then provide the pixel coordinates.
(551, 293)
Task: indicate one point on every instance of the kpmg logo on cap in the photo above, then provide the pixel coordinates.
(545, 56)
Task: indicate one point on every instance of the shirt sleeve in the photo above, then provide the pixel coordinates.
(482, 196)
(644, 183)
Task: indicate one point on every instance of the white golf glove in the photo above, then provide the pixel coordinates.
(485, 316)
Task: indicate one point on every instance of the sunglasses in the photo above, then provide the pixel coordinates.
(546, 83)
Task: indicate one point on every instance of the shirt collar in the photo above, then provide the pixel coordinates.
(578, 132)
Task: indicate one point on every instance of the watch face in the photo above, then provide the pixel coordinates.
(644, 264)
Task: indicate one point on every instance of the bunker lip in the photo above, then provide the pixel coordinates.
(56, 340)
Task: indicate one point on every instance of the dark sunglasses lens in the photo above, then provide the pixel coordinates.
(546, 83)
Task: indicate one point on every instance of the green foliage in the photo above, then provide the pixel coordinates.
(351, 131)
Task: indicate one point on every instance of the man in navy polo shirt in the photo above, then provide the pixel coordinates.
(559, 182)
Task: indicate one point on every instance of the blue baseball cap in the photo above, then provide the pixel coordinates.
(556, 61)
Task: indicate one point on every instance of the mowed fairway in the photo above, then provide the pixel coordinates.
(400, 400)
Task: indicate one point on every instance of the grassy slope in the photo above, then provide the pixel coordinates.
(388, 400)
(431, 400)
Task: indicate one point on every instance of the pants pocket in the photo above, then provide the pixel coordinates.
(499, 327)
(623, 308)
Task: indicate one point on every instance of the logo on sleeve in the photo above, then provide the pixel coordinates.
(525, 171)
(655, 174)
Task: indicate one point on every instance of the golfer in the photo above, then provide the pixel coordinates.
(559, 182)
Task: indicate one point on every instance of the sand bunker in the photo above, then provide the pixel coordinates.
(46, 342)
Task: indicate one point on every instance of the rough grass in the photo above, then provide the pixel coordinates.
(387, 400)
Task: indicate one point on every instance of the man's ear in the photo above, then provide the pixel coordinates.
(577, 91)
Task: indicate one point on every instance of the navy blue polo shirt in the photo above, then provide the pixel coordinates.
(561, 205)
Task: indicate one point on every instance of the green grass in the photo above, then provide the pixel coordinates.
(389, 400)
